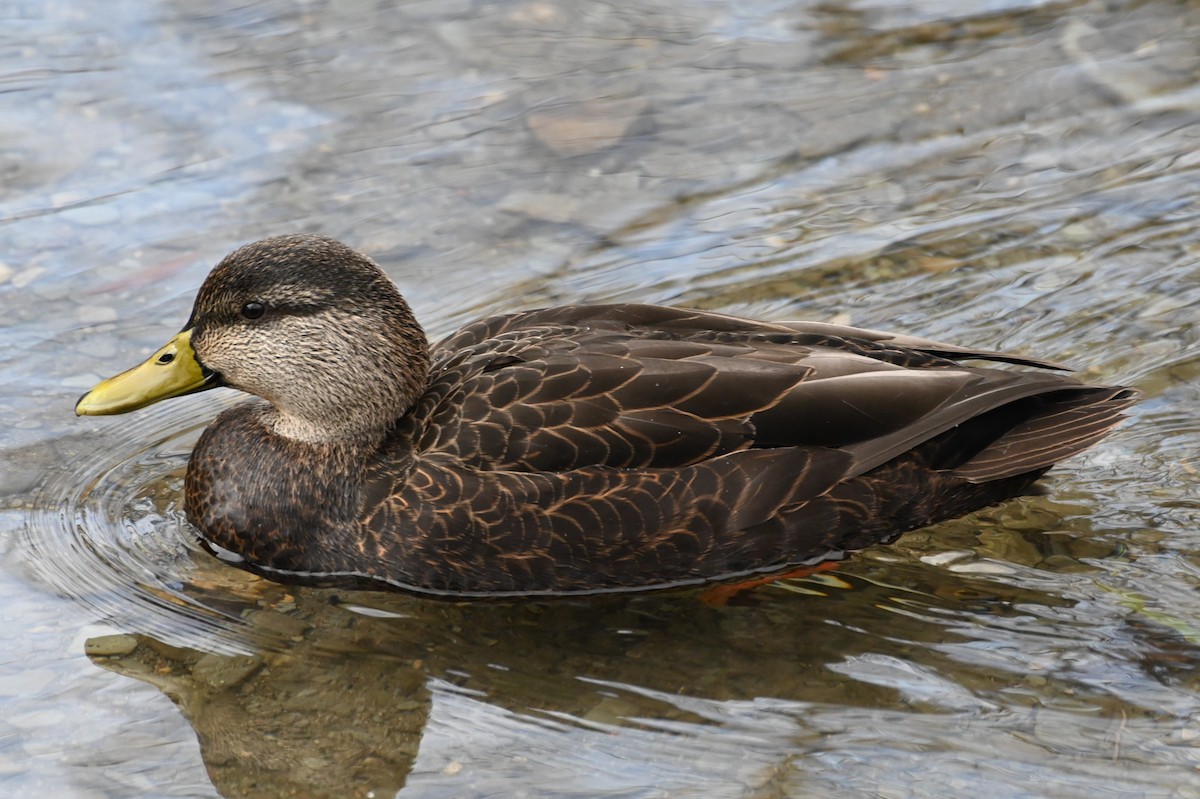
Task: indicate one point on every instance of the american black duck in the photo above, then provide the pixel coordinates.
(578, 449)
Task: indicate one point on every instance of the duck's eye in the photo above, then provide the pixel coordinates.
(253, 310)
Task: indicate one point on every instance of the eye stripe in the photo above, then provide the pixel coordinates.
(292, 308)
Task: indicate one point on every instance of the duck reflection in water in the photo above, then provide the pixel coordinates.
(337, 703)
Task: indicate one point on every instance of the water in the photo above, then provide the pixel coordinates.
(1019, 175)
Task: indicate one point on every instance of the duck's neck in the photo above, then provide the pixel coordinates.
(356, 389)
(340, 431)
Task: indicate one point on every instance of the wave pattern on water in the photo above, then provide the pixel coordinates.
(108, 532)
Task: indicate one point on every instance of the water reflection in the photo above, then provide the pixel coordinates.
(518, 695)
(298, 723)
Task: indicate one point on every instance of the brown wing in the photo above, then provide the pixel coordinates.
(636, 386)
(577, 450)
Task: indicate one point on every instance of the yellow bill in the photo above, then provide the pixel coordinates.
(170, 372)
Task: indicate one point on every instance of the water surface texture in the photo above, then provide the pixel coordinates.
(1011, 174)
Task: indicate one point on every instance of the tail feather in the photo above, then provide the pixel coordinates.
(1069, 425)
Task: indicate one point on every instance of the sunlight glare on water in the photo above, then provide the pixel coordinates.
(1008, 175)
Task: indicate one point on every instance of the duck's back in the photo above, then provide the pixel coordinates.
(600, 448)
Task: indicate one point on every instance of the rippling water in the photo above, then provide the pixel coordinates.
(1016, 175)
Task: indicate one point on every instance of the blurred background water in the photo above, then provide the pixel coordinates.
(1010, 174)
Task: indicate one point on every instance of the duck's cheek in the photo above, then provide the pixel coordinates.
(262, 378)
(234, 375)
(239, 364)
(220, 368)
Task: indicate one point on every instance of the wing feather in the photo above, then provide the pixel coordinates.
(592, 448)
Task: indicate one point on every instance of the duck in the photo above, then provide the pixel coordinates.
(578, 449)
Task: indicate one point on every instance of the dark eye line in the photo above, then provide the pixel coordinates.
(296, 309)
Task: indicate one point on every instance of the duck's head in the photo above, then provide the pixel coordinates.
(306, 323)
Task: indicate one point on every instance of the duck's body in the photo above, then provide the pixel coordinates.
(581, 449)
